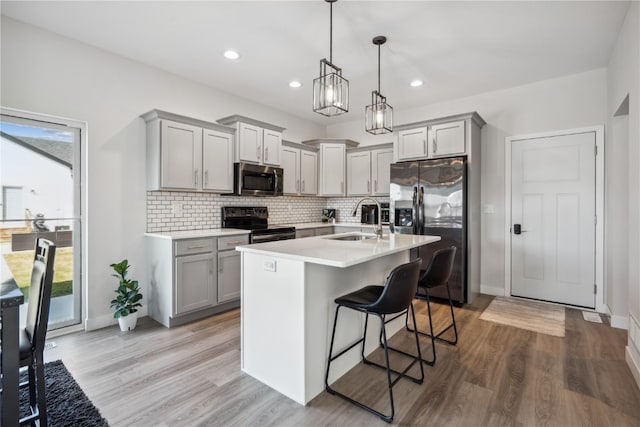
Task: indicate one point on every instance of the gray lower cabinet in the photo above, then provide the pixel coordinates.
(194, 286)
(229, 267)
(192, 278)
(323, 231)
(305, 232)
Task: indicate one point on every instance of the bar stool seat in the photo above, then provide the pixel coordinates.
(394, 297)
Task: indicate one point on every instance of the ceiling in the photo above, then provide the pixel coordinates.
(457, 48)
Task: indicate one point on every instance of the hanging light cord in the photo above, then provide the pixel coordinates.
(331, 33)
(378, 69)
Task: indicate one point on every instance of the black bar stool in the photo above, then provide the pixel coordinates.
(395, 296)
(437, 274)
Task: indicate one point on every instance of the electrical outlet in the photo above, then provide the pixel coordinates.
(269, 265)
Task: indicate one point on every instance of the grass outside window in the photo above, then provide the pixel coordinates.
(20, 263)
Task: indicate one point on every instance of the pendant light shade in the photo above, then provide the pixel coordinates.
(378, 117)
(330, 90)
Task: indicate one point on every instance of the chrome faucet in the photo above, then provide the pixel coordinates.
(378, 229)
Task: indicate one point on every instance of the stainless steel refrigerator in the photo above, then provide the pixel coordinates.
(430, 197)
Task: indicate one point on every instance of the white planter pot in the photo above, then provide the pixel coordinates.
(128, 323)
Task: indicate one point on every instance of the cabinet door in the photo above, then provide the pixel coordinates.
(447, 139)
(381, 171)
(250, 143)
(323, 231)
(181, 151)
(359, 173)
(271, 143)
(332, 170)
(412, 143)
(308, 172)
(228, 276)
(194, 284)
(217, 161)
(308, 232)
(291, 167)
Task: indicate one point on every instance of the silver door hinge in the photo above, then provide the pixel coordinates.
(595, 289)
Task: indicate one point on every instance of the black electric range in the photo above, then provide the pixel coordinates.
(255, 218)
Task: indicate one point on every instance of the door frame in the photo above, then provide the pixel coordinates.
(80, 201)
(599, 190)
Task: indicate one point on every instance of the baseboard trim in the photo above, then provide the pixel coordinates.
(633, 363)
(107, 320)
(492, 290)
(620, 322)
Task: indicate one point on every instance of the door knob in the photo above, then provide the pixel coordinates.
(517, 229)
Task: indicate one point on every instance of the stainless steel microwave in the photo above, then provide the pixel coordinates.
(257, 180)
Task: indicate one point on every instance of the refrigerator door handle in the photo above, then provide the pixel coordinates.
(414, 211)
(421, 211)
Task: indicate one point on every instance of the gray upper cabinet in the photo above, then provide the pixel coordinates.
(257, 142)
(187, 154)
(300, 169)
(217, 161)
(368, 170)
(332, 160)
(443, 137)
(411, 143)
(447, 139)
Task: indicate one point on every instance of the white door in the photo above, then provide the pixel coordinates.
(412, 143)
(181, 146)
(553, 208)
(250, 142)
(271, 142)
(381, 171)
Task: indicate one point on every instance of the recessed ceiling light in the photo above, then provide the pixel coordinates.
(416, 83)
(295, 84)
(231, 54)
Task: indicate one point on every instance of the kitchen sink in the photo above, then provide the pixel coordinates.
(352, 237)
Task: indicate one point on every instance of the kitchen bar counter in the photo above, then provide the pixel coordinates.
(324, 250)
(287, 306)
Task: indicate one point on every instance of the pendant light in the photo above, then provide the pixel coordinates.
(330, 90)
(378, 116)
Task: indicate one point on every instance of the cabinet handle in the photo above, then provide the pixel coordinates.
(236, 242)
(375, 185)
(258, 152)
(303, 185)
(424, 145)
(266, 154)
(195, 176)
(220, 264)
(206, 177)
(342, 186)
(435, 146)
(368, 186)
(297, 185)
(196, 247)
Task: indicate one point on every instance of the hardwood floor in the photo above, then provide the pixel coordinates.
(497, 375)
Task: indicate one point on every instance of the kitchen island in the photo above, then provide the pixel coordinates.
(287, 305)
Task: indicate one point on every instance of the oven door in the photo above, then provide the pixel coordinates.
(257, 180)
(272, 236)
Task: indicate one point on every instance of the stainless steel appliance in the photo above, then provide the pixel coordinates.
(257, 180)
(430, 197)
(369, 214)
(256, 220)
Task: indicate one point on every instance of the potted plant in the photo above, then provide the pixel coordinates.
(128, 297)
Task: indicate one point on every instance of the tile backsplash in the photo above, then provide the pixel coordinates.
(175, 211)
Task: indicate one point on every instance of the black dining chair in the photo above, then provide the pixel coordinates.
(33, 336)
(437, 274)
(394, 297)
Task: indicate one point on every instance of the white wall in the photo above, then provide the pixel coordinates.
(569, 102)
(46, 73)
(624, 80)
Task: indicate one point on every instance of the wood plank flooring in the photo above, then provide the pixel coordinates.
(497, 375)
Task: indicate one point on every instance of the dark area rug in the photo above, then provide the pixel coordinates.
(67, 405)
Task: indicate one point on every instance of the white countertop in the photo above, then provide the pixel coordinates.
(307, 225)
(322, 250)
(194, 234)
